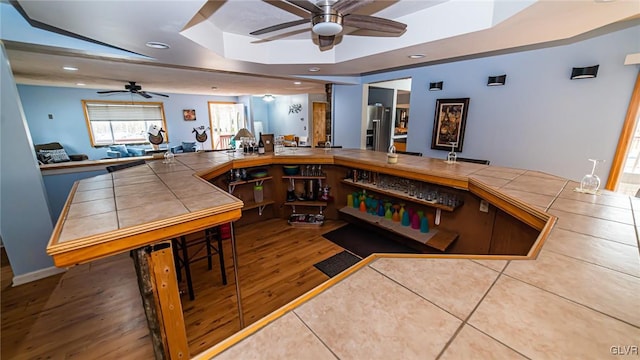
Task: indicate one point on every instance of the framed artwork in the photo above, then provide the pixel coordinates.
(449, 122)
(189, 114)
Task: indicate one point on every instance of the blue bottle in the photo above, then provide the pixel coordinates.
(405, 219)
(424, 225)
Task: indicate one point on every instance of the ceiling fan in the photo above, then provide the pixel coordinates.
(328, 17)
(133, 88)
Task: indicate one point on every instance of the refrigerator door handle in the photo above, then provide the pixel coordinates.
(376, 134)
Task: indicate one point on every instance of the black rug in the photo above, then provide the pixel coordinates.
(363, 242)
(337, 263)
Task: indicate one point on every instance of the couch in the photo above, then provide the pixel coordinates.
(123, 151)
(184, 147)
(54, 152)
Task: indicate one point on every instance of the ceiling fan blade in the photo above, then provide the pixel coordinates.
(326, 41)
(111, 91)
(348, 6)
(155, 93)
(374, 23)
(304, 4)
(280, 26)
(143, 94)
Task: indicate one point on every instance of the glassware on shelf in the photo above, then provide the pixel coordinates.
(451, 157)
(590, 183)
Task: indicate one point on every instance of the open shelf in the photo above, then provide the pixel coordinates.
(306, 203)
(399, 195)
(248, 205)
(258, 181)
(435, 238)
(296, 177)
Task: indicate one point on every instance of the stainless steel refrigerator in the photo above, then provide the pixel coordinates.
(378, 128)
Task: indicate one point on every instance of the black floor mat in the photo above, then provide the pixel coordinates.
(337, 263)
(363, 242)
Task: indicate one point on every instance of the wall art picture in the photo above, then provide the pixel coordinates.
(449, 123)
(189, 114)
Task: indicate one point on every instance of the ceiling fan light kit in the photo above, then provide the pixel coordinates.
(328, 17)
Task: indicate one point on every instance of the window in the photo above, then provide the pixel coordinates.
(115, 122)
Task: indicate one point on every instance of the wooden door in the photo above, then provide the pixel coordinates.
(319, 123)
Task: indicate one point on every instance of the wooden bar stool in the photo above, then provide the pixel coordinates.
(183, 258)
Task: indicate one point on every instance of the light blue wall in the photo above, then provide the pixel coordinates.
(539, 120)
(347, 115)
(282, 122)
(260, 112)
(69, 128)
(58, 187)
(25, 223)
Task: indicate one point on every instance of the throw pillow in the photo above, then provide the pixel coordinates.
(188, 146)
(121, 149)
(56, 156)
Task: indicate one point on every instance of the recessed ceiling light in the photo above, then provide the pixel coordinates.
(157, 45)
(416, 56)
(314, 69)
(70, 68)
(297, 83)
(214, 88)
(81, 84)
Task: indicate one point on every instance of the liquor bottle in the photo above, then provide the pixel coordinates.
(260, 145)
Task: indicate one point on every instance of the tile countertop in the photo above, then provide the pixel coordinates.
(577, 300)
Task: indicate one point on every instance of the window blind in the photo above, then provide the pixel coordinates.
(124, 112)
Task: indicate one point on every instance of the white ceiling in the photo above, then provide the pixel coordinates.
(211, 45)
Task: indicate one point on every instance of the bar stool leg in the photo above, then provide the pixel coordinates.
(176, 258)
(208, 234)
(223, 271)
(187, 268)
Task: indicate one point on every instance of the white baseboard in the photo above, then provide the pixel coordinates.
(36, 275)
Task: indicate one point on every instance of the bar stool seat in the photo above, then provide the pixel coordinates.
(184, 255)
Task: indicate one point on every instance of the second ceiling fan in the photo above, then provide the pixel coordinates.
(328, 17)
(133, 88)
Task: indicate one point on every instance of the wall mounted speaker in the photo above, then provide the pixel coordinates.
(584, 72)
(498, 80)
(435, 86)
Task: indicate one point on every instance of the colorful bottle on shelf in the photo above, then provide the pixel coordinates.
(415, 221)
(405, 219)
(363, 206)
(424, 225)
(388, 214)
(356, 200)
(380, 208)
(396, 213)
(350, 200)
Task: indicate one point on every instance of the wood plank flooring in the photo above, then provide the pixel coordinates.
(94, 310)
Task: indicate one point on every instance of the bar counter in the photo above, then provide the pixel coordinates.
(575, 296)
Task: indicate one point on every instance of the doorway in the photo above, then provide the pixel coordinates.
(319, 135)
(624, 176)
(225, 120)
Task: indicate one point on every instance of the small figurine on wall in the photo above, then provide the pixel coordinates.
(189, 114)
